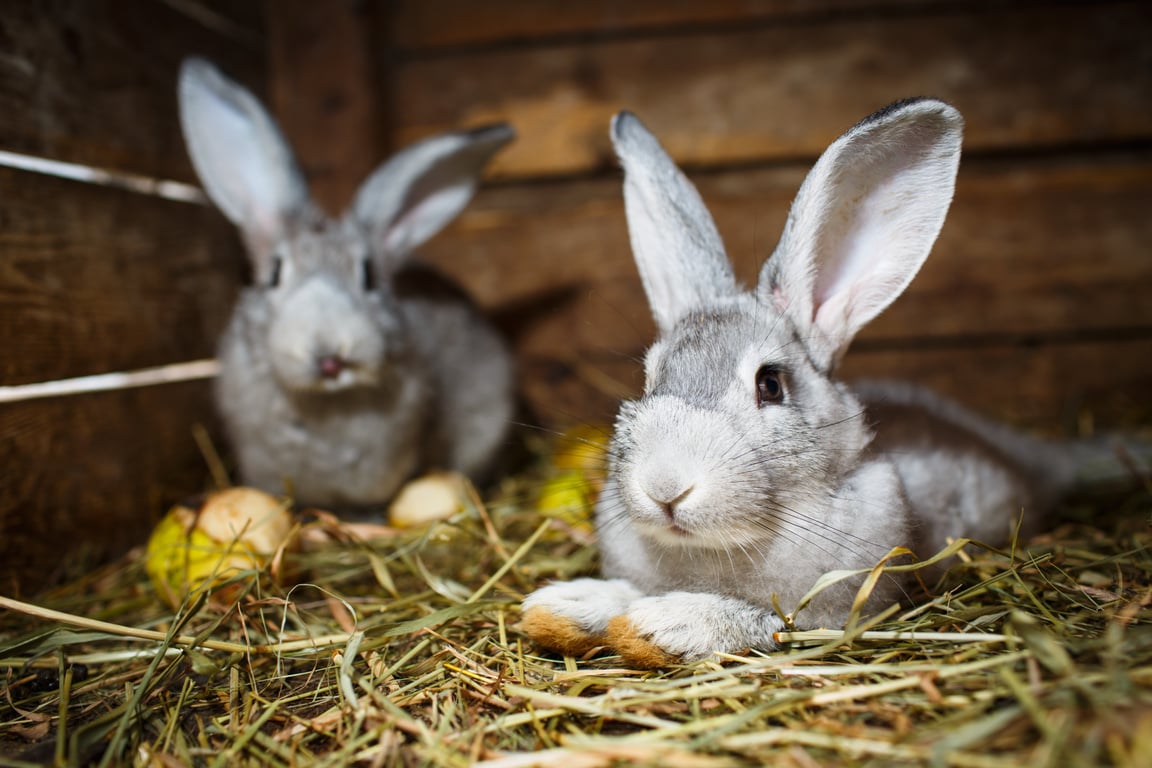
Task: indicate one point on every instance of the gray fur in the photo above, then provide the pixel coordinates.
(716, 505)
(420, 378)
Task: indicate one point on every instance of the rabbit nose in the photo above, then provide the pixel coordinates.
(330, 366)
(670, 500)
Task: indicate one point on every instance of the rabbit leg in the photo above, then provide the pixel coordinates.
(572, 617)
(685, 626)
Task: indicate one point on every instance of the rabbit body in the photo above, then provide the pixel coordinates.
(358, 446)
(746, 470)
(964, 475)
(344, 369)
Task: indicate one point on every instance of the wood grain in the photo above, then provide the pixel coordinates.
(1053, 388)
(419, 24)
(1048, 76)
(1029, 247)
(94, 279)
(84, 478)
(1032, 249)
(326, 91)
(94, 81)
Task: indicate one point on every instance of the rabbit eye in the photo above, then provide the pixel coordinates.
(368, 275)
(769, 386)
(274, 275)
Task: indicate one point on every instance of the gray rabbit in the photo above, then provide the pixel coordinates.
(746, 470)
(345, 370)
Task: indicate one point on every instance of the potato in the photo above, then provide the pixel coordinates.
(235, 530)
(427, 499)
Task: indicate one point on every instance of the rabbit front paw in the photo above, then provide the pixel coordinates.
(572, 617)
(686, 626)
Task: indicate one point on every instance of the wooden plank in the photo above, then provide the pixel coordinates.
(94, 279)
(325, 92)
(1030, 247)
(1055, 389)
(1022, 76)
(230, 19)
(1037, 249)
(419, 24)
(84, 478)
(94, 81)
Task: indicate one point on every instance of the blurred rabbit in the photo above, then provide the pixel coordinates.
(344, 371)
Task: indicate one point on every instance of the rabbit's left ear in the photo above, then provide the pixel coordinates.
(863, 222)
(675, 242)
(423, 187)
(241, 158)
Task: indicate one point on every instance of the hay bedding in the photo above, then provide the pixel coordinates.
(402, 650)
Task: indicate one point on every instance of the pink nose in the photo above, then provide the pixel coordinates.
(670, 501)
(330, 366)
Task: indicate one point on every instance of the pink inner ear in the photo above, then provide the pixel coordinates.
(861, 227)
(870, 251)
(835, 317)
(864, 221)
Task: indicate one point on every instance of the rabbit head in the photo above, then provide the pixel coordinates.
(742, 431)
(321, 300)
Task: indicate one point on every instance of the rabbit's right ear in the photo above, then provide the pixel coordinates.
(863, 222)
(675, 242)
(422, 187)
(242, 159)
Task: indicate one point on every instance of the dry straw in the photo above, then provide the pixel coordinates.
(404, 651)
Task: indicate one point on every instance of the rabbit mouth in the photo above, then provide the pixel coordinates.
(335, 373)
(327, 375)
(350, 376)
(674, 534)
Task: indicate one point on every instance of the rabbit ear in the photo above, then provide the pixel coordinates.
(242, 159)
(864, 221)
(419, 190)
(675, 242)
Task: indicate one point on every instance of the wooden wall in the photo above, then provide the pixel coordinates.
(1033, 307)
(96, 278)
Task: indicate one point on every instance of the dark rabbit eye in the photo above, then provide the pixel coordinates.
(368, 275)
(769, 386)
(274, 275)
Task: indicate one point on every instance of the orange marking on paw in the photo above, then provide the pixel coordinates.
(558, 633)
(634, 649)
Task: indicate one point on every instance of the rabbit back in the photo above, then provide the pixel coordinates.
(966, 475)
